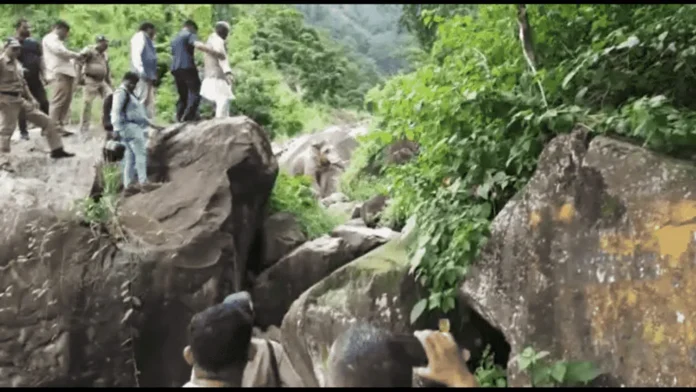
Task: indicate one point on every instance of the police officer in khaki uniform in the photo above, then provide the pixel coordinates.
(15, 96)
(94, 73)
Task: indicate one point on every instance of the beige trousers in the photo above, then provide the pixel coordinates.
(92, 90)
(63, 88)
(145, 90)
(9, 114)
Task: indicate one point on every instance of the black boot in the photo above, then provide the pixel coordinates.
(24, 135)
(61, 153)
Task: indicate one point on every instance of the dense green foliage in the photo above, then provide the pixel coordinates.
(289, 76)
(425, 31)
(312, 64)
(488, 373)
(481, 119)
(370, 30)
(558, 374)
(294, 195)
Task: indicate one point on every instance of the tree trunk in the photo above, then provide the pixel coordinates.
(528, 45)
(526, 34)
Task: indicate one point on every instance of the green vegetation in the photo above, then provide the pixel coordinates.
(290, 77)
(294, 195)
(488, 374)
(103, 213)
(557, 374)
(482, 111)
(540, 372)
(371, 31)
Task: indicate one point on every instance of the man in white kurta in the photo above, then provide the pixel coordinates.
(217, 74)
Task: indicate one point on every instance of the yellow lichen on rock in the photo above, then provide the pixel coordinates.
(662, 309)
(566, 213)
(666, 229)
(534, 219)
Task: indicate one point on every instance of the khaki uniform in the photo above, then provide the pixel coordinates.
(14, 96)
(97, 82)
(258, 371)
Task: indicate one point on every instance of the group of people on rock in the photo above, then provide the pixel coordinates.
(27, 66)
(223, 353)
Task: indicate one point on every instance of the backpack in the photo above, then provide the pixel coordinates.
(106, 109)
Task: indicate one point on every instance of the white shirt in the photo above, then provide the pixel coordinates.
(57, 57)
(215, 67)
(137, 45)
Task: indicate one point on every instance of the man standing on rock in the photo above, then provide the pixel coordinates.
(188, 83)
(217, 81)
(144, 63)
(130, 122)
(94, 72)
(31, 59)
(15, 97)
(60, 64)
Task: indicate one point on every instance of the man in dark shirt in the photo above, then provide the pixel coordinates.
(188, 82)
(31, 59)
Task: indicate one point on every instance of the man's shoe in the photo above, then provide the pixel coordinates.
(61, 153)
(24, 135)
(132, 190)
(150, 186)
(65, 133)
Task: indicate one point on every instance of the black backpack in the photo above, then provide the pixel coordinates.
(106, 110)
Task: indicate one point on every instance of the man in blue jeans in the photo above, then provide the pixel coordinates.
(130, 121)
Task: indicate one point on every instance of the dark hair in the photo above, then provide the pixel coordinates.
(220, 336)
(20, 22)
(131, 76)
(366, 356)
(146, 26)
(190, 23)
(242, 300)
(61, 24)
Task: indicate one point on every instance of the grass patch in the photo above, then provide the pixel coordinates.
(294, 195)
(103, 213)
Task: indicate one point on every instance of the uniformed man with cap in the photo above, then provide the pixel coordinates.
(15, 96)
(94, 73)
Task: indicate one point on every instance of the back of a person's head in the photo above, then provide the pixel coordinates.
(220, 336)
(61, 24)
(191, 24)
(131, 76)
(19, 23)
(366, 356)
(146, 26)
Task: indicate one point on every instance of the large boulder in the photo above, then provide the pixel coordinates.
(593, 261)
(281, 234)
(362, 239)
(61, 307)
(193, 235)
(87, 308)
(276, 287)
(375, 288)
(342, 138)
